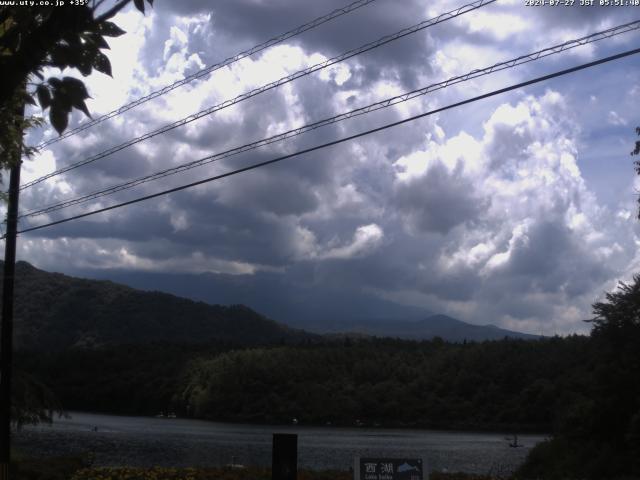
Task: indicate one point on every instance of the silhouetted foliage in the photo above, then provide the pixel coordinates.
(127, 379)
(32, 402)
(35, 37)
(599, 435)
(636, 151)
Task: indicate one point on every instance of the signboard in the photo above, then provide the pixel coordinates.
(389, 469)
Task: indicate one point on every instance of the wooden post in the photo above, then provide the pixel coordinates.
(284, 464)
(6, 330)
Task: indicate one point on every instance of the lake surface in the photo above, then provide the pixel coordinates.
(144, 441)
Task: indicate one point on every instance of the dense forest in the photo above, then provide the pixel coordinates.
(510, 384)
(493, 385)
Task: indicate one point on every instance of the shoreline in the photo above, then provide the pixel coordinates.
(460, 428)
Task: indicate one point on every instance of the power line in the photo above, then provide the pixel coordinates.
(351, 53)
(336, 142)
(269, 86)
(211, 68)
(344, 116)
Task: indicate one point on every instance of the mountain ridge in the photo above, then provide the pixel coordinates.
(57, 311)
(435, 325)
(300, 304)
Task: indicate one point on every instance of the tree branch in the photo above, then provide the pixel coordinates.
(112, 11)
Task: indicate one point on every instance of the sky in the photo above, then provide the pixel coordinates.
(518, 210)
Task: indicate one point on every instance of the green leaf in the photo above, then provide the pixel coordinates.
(61, 56)
(75, 87)
(101, 63)
(63, 101)
(44, 96)
(72, 39)
(60, 97)
(59, 118)
(73, 93)
(110, 29)
(84, 63)
(139, 5)
(55, 82)
(97, 40)
(82, 107)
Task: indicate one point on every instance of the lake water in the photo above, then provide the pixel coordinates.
(144, 441)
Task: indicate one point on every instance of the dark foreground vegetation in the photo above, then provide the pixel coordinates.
(599, 436)
(75, 468)
(586, 390)
(512, 385)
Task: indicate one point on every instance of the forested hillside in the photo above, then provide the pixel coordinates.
(55, 311)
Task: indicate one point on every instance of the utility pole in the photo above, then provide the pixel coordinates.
(6, 330)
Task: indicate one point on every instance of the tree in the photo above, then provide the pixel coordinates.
(31, 40)
(599, 429)
(33, 402)
(617, 335)
(35, 38)
(636, 151)
(620, 312)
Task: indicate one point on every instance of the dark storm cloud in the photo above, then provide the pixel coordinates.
(547, 259)
(440, 200)
(215, 231)
(139, 223)
(246, 23)
(261, 21)
(257, 191)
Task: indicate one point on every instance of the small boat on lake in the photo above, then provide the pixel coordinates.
(514, 443)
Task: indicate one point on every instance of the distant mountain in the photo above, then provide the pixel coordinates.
(442, 326)
(321, 309)
(291, 298)
(55, 311)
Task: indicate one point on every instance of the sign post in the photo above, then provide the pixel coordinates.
(284, 464)
(366, 468)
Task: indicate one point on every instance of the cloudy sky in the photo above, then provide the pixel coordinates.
(518, 210)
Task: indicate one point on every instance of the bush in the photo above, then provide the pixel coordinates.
(61, 468)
